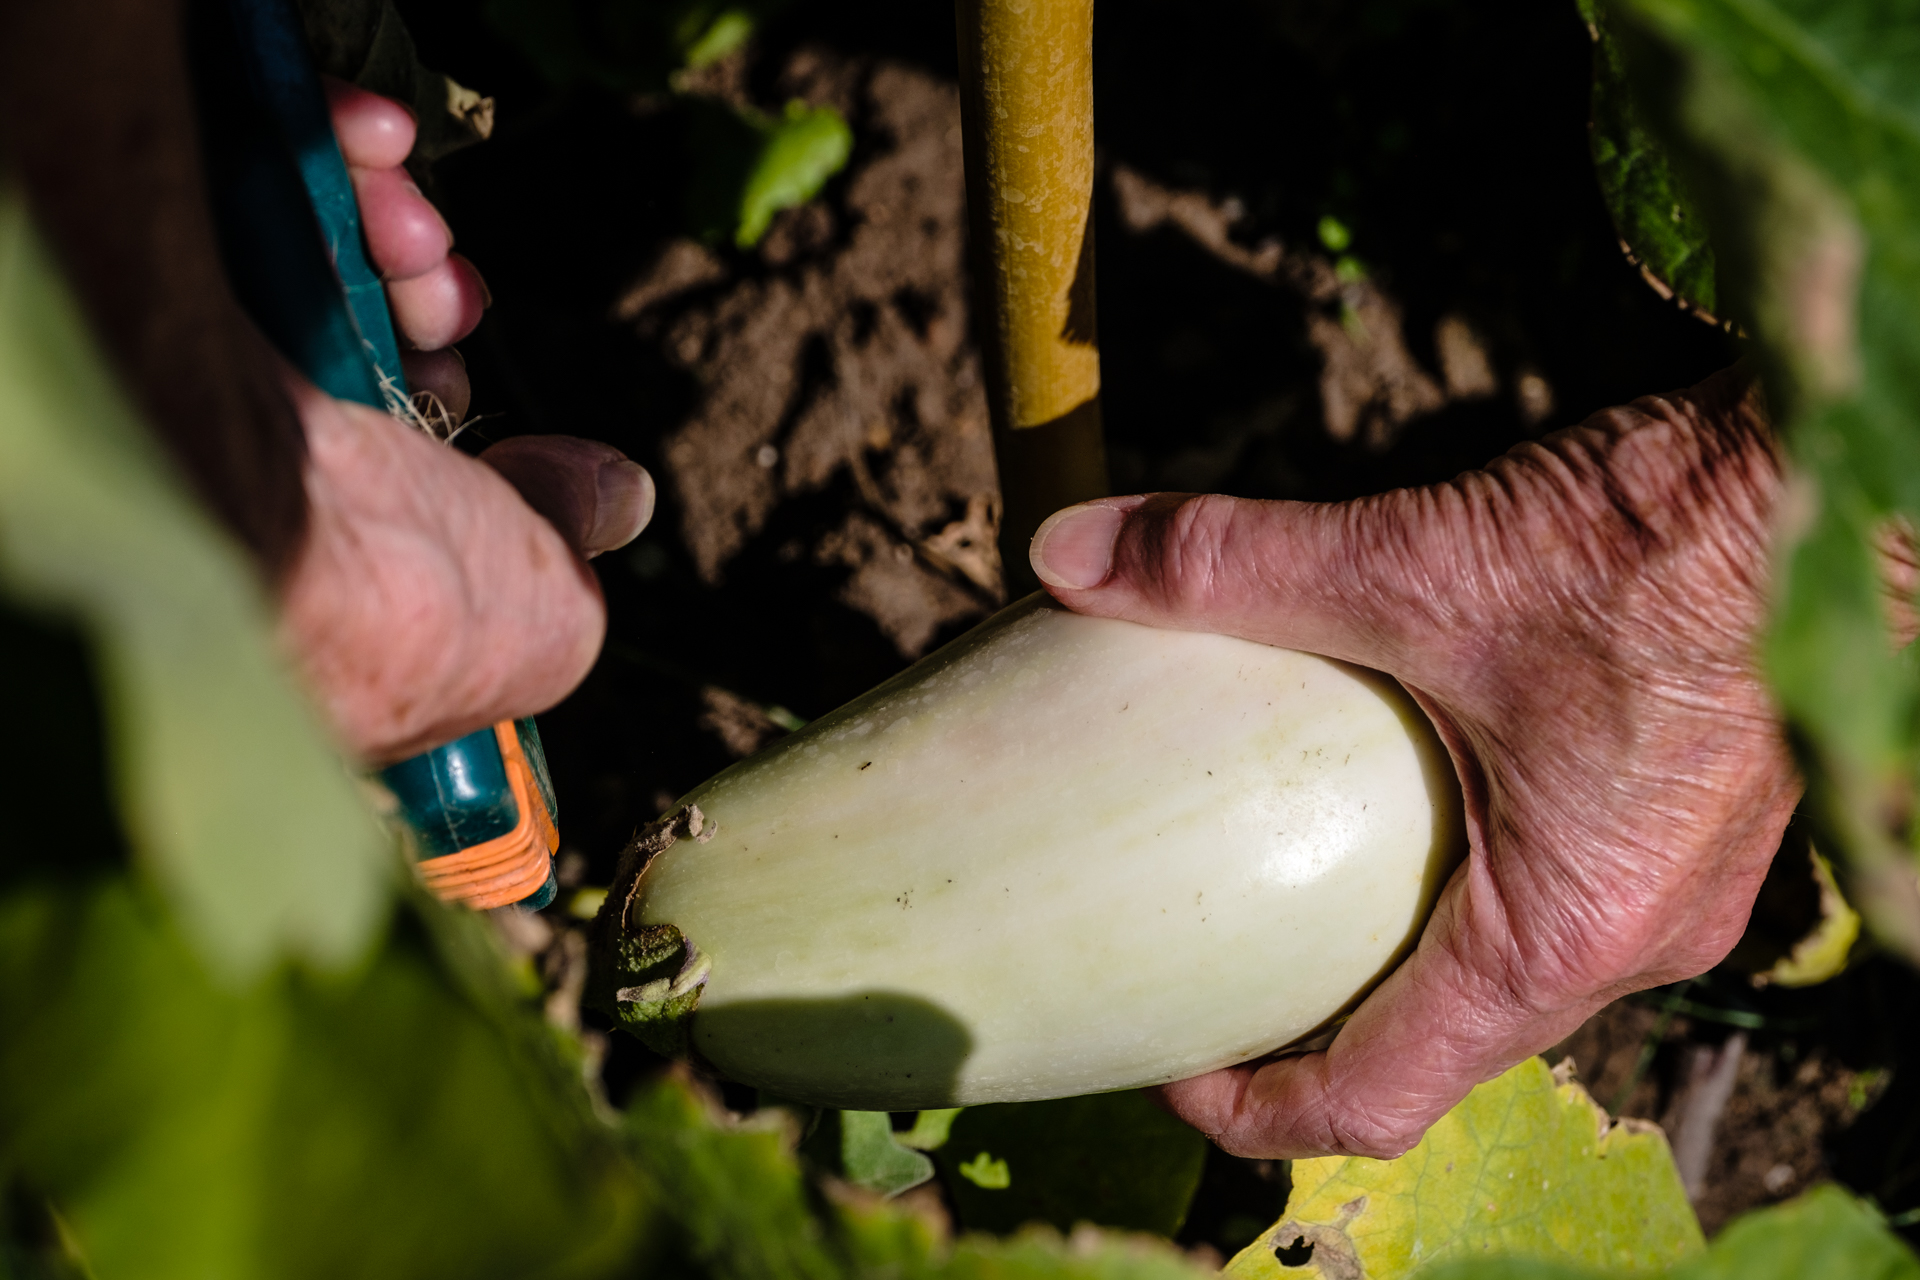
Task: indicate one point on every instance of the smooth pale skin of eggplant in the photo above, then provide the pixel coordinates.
(1059, 856)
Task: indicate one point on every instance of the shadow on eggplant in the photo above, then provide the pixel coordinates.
(883, 1050)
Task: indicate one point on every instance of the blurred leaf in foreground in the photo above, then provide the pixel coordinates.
(1523, 1166)
(93, 531)
(1796, 124)
(1825, 1232)
(404, 1121)
(1113, 1159)
(744, 1211)
(232, 1056)
(1657, 224)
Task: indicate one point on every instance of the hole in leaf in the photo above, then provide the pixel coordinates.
(1297, 1253)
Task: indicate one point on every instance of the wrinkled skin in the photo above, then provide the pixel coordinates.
(1579, 619)
(435, 594)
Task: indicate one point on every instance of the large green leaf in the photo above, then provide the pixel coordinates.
(227, 793)
(407, 1120)
(1113, 1159)
(1650, 209)
(1523, 1166)
(1796, 124)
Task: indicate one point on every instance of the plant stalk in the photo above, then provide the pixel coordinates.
(1026, 100)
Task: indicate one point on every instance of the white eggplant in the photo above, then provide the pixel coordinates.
(1059, 856)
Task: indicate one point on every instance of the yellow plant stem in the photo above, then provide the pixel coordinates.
(1026, 72)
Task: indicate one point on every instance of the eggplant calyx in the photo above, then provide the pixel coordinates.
(693, 974)
(649, 977)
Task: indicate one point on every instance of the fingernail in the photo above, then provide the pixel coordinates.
(623, 505)
(1074, 548)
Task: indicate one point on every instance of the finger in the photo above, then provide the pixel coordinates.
(405, 233)
(1441, 1023)
(374, 132)
(590, 492)
(444, 374)
(439, 308)
(1332, 579)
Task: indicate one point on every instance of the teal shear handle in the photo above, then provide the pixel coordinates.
(481, 808)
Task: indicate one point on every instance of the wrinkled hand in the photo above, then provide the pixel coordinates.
(434, 594)
(1579, 620)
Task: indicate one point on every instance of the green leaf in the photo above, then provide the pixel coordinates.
(803, 149)
(930, 1129)
(1796, 124)
(1113, 1159)
(872, 1159)
(741, 1209)
(985, 1172)
(1825, 1232)
(725, 34)
(224, 786)
(860, 1146)
(1523, 1166)
(1651, 211)
(412, 1119)
(739, 1205)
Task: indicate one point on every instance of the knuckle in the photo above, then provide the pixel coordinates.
(1191, 549)
(1353, 1133)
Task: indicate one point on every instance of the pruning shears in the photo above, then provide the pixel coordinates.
(481, 809)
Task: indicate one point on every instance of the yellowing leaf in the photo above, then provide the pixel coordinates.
(1522, 1166)
(1823, 953)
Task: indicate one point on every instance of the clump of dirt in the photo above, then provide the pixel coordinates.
(841, 354)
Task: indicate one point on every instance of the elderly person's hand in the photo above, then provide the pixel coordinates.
(431, 597)
(1579, 619)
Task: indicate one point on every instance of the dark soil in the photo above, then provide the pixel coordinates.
(813, 407)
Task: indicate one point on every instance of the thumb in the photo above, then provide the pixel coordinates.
(594, 495)
(1337, 579)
